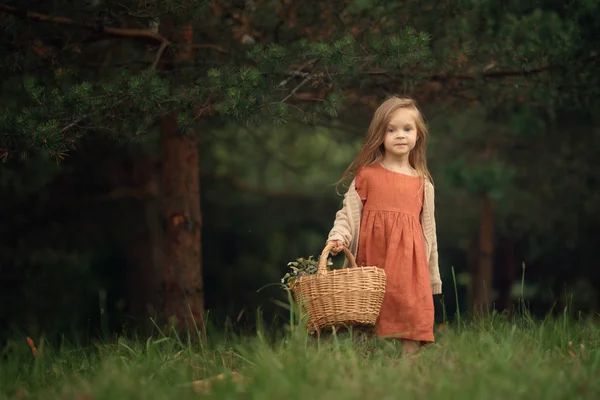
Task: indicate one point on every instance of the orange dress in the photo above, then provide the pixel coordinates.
(391, 238)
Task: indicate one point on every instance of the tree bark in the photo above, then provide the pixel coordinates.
(183, 283)
(482, 284)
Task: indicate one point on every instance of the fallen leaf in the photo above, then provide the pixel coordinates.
(31, 344)
(21, 394)
(204, 385)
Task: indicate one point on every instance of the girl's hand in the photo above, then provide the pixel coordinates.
(339, 246)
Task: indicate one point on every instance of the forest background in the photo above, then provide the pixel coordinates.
(168, 158)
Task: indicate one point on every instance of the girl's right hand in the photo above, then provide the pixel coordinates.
(339, 246)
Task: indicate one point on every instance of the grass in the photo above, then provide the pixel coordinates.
(496, 358)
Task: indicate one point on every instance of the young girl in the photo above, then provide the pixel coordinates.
(387, 220)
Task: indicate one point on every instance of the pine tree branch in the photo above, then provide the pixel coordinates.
(209, 46)
(298, 72)
(293, 92)
(146, 34)
(159, 53)
(143, 34)
(86, 116)
(485, 73)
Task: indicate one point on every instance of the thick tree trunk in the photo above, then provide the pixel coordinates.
(183, 286)
(482, 284)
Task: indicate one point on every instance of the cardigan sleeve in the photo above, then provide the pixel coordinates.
(434, 270)
(342, 226)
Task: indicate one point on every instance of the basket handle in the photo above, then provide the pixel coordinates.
(322, 266)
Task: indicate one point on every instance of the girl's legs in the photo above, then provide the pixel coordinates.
(410, 346)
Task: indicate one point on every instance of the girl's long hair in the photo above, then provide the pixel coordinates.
(373, 150)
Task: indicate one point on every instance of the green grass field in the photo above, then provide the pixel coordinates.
(494, 359)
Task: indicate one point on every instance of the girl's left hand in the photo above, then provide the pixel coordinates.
(339, 246)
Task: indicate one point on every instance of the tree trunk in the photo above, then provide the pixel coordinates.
(184, 293)
(183, 284)
(482, 284)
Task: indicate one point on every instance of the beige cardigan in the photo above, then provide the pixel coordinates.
(347, 228)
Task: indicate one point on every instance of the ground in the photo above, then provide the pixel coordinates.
(493, 359)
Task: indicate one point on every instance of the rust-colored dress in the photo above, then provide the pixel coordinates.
(391, 238)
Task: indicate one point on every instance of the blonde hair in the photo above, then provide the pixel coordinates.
(373, 151)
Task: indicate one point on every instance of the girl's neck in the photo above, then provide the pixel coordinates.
(398, 164)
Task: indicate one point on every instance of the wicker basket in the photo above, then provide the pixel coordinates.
(343, 297)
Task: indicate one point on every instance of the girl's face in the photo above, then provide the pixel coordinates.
(401, 133)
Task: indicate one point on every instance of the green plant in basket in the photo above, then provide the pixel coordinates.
(301, 267)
